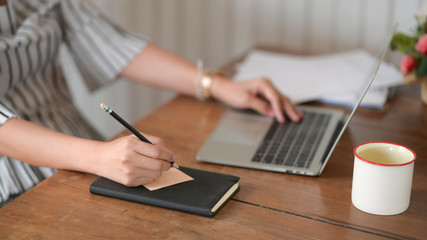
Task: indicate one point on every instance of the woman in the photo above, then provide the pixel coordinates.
(40, 128)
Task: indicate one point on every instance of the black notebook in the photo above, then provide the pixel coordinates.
(205, 195)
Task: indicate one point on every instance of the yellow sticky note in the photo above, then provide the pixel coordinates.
(168, 178)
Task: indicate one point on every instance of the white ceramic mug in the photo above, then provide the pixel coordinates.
(382, 177)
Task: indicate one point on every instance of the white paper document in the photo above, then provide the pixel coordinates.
(333, 78)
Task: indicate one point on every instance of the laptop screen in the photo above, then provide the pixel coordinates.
(380, 59)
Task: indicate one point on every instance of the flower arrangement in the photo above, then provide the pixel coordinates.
(414, 47)
(414, 63)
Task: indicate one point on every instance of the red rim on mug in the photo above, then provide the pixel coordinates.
(382, 164)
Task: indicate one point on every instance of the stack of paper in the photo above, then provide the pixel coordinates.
(337, 78)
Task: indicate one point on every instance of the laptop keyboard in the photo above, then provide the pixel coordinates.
(293, 144)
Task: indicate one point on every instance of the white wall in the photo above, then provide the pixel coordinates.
(221, 30)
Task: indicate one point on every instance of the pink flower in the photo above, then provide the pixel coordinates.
(422, 45)
(407, 64)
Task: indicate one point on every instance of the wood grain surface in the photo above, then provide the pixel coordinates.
(268, 206)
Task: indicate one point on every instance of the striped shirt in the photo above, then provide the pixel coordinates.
(32, 86)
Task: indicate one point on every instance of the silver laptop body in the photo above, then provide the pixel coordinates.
(247, 139)
(239, 135)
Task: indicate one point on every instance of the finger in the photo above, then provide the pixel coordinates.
(140, 181)
(281, 104)
(141, 177)
(159, 142)
(155, 140)
(131, 175)
(274, 99)
(154, 151)
(277, 107)
(144, 180)
(145, 155)
(260, 105)
(143, 162)
(291, 110)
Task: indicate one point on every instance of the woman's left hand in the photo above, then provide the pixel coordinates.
(258, 94)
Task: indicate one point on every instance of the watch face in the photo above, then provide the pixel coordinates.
(206, 83)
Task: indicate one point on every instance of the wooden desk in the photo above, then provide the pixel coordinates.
(268, 206)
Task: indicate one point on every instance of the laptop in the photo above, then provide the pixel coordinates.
(247, 139)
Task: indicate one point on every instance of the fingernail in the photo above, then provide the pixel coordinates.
(173, 164)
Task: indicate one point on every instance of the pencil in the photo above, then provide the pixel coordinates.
(130, 128)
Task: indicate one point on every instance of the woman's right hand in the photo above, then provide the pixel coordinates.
(130, 161)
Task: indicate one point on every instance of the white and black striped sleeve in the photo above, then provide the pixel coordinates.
(101, 49)
(5, 114)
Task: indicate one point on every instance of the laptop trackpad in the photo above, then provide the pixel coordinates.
(241, 129)
(236, 137)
